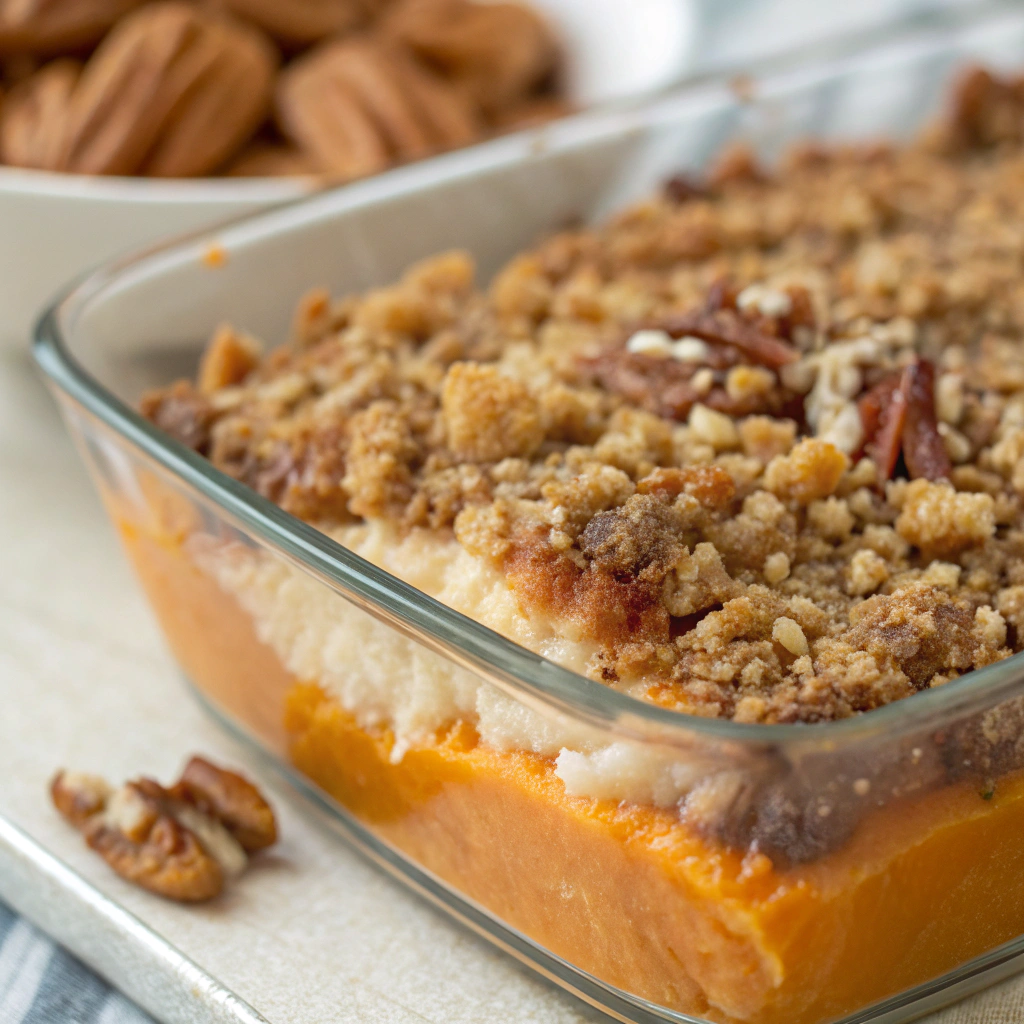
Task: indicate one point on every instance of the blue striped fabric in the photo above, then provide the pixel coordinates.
(42, 984)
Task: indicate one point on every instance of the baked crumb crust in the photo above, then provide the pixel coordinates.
(759, 438)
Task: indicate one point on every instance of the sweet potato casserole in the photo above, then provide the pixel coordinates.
(754, 449)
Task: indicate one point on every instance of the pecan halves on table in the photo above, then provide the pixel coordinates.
(173, 91)
(232, 800)
(361, 105)
(47, 26)
(183, 843)
(498, 52)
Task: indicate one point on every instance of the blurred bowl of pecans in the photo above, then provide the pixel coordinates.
(125, 120)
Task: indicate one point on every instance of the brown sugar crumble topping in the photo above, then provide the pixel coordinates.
(759, 440)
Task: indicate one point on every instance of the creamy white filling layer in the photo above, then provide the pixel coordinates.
(386, 679)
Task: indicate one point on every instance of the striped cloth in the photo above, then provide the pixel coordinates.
(41, 984)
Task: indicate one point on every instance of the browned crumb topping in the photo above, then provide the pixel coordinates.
(760, 440)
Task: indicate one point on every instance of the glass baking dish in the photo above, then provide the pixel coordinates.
(896, 877)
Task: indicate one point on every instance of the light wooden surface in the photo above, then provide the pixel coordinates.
(311, 934)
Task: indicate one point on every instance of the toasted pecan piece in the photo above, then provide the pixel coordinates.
(48, 26)
(182, 843)
(181, 411)
(665, 386)
(883, 412)
(726, 327)
(79, 796)
(149, 847)
(360, 105)
(136, 836)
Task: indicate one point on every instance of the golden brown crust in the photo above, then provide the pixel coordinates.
(729, 439)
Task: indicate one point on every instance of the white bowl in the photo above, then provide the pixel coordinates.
(54, 227)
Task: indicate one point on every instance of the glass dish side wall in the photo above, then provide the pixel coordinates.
(887, 799)
(625, 892)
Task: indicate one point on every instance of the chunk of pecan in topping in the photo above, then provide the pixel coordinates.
(726, 327)
(898, 415)
(671, 387)
(183, 412)
(923, 448)
(183, 842)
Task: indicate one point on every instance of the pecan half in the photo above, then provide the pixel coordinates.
(34, 114)
(359, 105)
(664, 386)
(267, 160)
(46, 26)
(183, 842)
(172, 91)
(883, 412)
(300, 22)
(499, 52)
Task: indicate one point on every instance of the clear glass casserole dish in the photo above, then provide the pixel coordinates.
(895, 883)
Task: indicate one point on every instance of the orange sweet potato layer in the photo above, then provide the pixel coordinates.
(627, 893)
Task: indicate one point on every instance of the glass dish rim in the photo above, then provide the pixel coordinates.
(472, 644)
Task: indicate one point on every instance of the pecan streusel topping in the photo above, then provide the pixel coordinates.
(759, 440)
